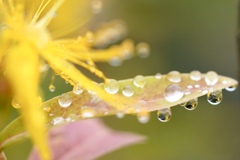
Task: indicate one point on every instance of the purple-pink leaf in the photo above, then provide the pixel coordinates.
(86, 139)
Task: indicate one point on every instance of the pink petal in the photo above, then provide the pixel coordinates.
(87, 139)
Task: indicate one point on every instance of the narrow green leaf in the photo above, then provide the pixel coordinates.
(139, 95)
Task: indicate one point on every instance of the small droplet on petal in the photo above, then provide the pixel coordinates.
(211, 78)
(195, 75)
(128, 91)
(232, 88)
(224, 82)
(65, 100)
(173, 93)
(111, 86)
(143, 50)
(139, 81)
(78, 89)
(91, 92)
(143, 117)
(58, 121)
(120, 114)
(174, 76)
(97, 6)
(51, 88)
(191, 105)
(87, 113)
(158, 76)
(115, 61)
(15, 104)
(215, 98)
(164, 115)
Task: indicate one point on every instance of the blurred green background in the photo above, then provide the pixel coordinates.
(184, 35)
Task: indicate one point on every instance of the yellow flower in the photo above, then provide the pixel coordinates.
(26, 43)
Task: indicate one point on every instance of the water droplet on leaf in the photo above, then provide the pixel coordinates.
(211, 78)
(174, 76)
(58, 121)
(215, 98)
(77, 89)
(195, 75)
(164, 115)
(65, 100)
(111, 86)
(128, 91)
(158, 76)
(139, 81)
(173, 93)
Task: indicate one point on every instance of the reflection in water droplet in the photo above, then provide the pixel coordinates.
(77, 89)
(164, 115)
(58, 121)
(15, 104)
(97, 6)
(211, 78)
(232, 88)
(215, 98)
(174, 76)
(111, 86)
(158, 76)
(65, 100)
(173, 93)
(128, 91)
(195, 75)
(51, 88)
(143, 50)
(139, 81)
(143, 117)
(197, 85)
(190, 105)
(120, 114)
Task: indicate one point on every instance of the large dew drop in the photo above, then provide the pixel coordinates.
(191, 105)
(139, 81)
(65, 100)
(211, 78)
(195, 75)
(128, 91)
(77, 89)
(164, 115)
(215, 98)
(174, 76)
(111, 86)
(173, 93)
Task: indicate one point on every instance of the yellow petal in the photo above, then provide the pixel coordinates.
(22, 69)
